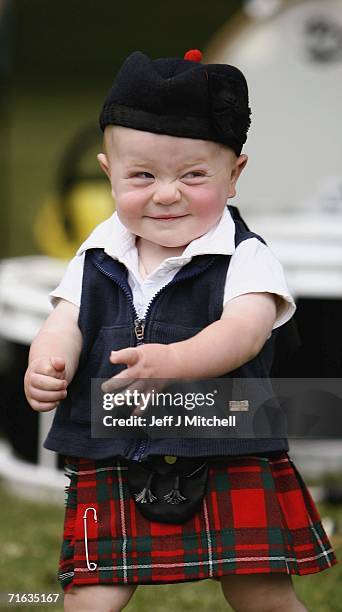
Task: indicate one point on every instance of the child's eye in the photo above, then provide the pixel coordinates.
(195, 174)
(143, 175)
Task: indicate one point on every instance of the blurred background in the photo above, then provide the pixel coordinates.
(57, 61)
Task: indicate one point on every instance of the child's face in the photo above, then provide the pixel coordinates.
(168, 190)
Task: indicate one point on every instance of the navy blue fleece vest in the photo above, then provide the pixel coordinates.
(108, 321)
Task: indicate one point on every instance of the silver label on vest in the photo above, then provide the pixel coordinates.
(238, 405)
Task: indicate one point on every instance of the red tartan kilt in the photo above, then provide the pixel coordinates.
(257, 517)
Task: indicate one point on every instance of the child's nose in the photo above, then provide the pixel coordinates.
(166, 193)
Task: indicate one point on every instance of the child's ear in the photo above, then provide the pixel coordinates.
(239, 165)
(103, 161)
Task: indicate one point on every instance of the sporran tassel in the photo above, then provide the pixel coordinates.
(146, 496)
(174, 496)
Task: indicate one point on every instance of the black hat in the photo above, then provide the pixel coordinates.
(180, 97)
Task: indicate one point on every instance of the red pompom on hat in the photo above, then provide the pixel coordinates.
(194, 55)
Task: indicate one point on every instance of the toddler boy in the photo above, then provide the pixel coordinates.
(163, 289)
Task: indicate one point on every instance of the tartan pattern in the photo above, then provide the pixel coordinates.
(257, 517)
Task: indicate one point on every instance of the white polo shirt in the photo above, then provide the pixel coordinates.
(253, 267)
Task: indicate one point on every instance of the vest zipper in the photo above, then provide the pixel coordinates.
(139, 330)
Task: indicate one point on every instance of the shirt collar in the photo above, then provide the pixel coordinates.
(112, 236)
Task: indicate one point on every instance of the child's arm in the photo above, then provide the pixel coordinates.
(53, 358)
(228, 343)
(223, 346)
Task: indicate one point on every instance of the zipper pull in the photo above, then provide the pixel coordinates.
(139, 328)
(140, 448)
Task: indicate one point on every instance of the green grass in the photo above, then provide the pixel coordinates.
(30, 534)
(30, 543)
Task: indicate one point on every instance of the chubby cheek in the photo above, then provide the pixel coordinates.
(208, 204)
(130, 205)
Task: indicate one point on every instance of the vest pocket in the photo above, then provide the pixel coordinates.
(167, 333)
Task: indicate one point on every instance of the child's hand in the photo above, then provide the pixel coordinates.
(158, 361)
(45, 383)
(149, 367)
